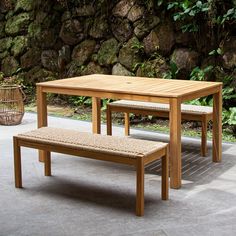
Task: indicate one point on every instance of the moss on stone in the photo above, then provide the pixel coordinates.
(17, 24)
(5, 44)
(83, 51)
(129, 55)
(25, 5)
(20, 44)
(108, 51)
(4, 54)
(2, 29)
(34, 30)
(9, 66)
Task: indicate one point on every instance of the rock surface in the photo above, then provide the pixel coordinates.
(126, 37)
(31, 58)
(135, 13)
(122, 29)
(94, 68)
(72, 32)
(5, 44)
(185, 60)
(118, 69)
(17, 24)
(9, 66)
(83, 51)
(144, 25)
(19, 45)
(107, 55)
(156, 68)
(24, 5)
(122, 8)
(128, 55)
(49, 59)
(100, 28)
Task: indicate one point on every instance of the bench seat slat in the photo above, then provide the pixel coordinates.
(153, 106)
(123, 146)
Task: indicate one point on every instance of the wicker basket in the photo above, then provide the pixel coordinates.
(11, 104)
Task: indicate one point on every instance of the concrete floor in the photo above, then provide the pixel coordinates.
(88, 197)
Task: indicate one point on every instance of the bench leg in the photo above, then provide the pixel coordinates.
(140, 187)
(43, 155)
(165, 176)
(109, 120)
(17, 163)
(204, 137)
(47, 165)
(127, 124)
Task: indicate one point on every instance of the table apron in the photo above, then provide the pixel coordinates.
(98, 94)
(201, 93)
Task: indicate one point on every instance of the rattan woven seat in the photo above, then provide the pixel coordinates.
(202, 114)
(124, 146)
(194, 109)
(124, 150)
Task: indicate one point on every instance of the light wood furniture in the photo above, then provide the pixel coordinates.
(172, 92)
(202, 114)
(123, 150)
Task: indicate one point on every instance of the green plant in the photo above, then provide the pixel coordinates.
(80, 100)
(145, 68)
(153, 67)
(200, 74)
(10, 80)
(232, 116)
(215, 52)
(229, 118)
(228, 16)
(137, 46)
(173, 72)
(188, 11)
(228, 92)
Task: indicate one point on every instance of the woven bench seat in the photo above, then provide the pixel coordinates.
(188, 112)
(153, 106)
(123, 150)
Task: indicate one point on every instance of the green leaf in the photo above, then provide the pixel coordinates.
(171, 5)
(177, 16)
(208, 69)
(213, 52)
(205, 9)
(219, 51)
(185, 4)
(192, 13)
(173, 67)
(159, 2)
(187, 11)
(232, 117)
(230, 11)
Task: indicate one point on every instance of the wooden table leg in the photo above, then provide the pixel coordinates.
(42, 118)
(140, 187)
(175, 143)
(96, 115)
(217, 126)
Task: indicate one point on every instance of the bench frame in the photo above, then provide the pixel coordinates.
(139, 163)
(203, 118)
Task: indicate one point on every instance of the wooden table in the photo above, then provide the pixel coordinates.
(173, 92)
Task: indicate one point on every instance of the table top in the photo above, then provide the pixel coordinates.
(133, 85)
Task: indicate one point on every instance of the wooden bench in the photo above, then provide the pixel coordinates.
(188, 112)
(123, 150)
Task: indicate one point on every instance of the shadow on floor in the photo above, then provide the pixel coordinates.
(103, 194)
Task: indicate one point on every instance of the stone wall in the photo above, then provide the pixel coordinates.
(42, 40)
